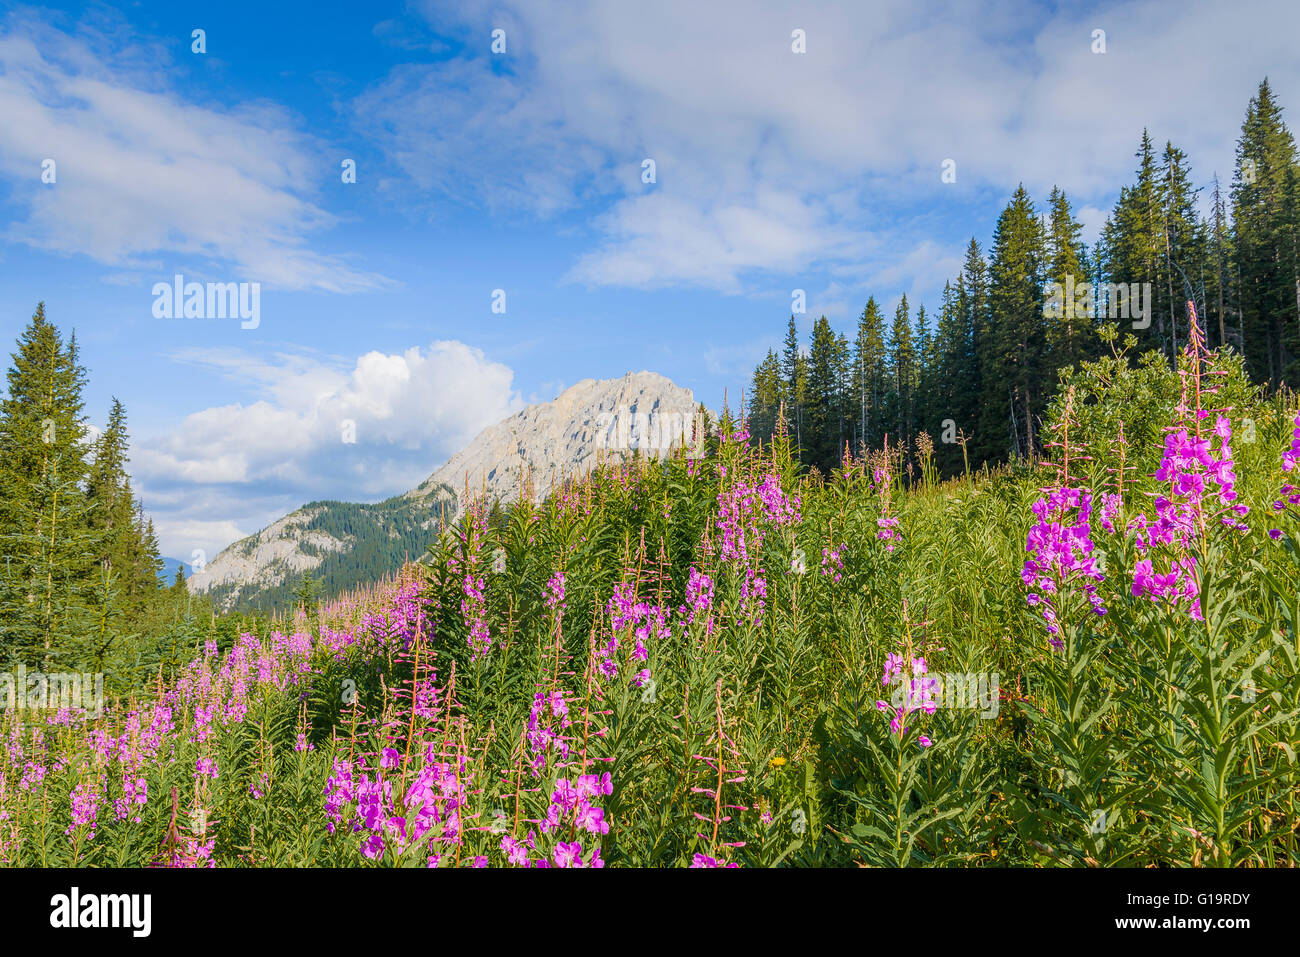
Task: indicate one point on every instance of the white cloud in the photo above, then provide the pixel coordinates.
(254, 462)
(754, 144)
(143, 176)
(925, 266)
(662, 240)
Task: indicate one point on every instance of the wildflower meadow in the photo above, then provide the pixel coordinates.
(722, 662)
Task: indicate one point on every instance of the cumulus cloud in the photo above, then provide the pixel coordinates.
(142, 175)
(404, 413)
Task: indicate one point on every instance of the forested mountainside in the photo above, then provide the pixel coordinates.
(323, 548)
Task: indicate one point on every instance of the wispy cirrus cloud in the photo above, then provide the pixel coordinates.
(144, 176)
(773, 162)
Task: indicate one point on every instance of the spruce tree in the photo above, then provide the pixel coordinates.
(902, 367)
(973, 308)
(48, 541)
(949, 404)
(1220, 293)
(793, 376)
(1136, 247)
(765, 396)
(1184, 244)
(1015, 379)
(1070, 337)
(823, 399)
(1264, 215)
(843, 395)
(869, 373)
(922, 381)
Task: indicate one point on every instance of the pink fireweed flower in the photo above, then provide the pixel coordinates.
(699, 595)
(543, 735)
(555, 593)
(910, 695)
(888, 531)
(882, 476)
(194, 854)
(593, 785)
(1190, 465)
(258, 791)
(135, 792)
(516, 853)
(565, 795)
(1110, 504)
(833, 564)
(893, 668)
(85, 800)
(753, 594)
(746, 514)
(573, 802)
(591, 819)
(1060, 547)
(642, 621)
(1291, 457)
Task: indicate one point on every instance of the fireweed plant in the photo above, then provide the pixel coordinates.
(724, 661)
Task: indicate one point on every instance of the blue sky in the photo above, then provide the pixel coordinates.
(522, 171)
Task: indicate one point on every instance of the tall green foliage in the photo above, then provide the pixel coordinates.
(80, 560)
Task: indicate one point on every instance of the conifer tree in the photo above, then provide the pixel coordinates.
(902, 366)
(1136, 246)
(1015, 383)
(1071, 336)
(949, 405)
(1219, 292)
(922, 382)
(1184, 241)
(843, 396)
(1264, 215)
(765, 396)
(794, 375)
(823, 400)
(869, 372)
(49, 543)
(976, 324)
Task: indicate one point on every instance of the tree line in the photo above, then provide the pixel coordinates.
(978, 376)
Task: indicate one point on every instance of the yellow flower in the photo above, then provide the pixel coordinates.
(777, 762)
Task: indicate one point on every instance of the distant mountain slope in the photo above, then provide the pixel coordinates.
(340, 543)
(344, 544)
